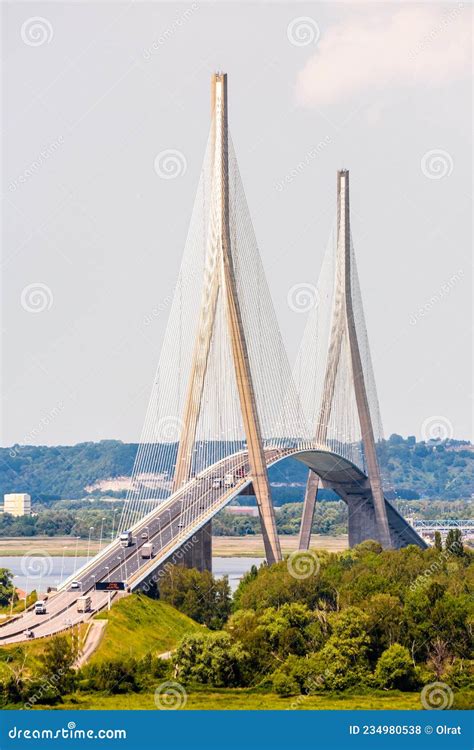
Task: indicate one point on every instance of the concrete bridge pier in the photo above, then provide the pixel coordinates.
(362, 521)
(199, 554)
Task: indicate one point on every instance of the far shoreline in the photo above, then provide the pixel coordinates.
(250, 545)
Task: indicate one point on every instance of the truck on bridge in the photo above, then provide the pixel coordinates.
(84, 604)
(126, 539)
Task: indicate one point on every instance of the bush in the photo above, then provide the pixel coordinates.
(197, 594)
(113, 676)
(460, 673)
(395, 670)
(284, 685)
(212, 659)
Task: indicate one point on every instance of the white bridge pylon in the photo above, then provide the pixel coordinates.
(223, 382)
(334, 373)
(224, 386)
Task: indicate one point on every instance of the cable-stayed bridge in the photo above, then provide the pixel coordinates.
(225, 404)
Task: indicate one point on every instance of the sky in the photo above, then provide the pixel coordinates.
(94, 217)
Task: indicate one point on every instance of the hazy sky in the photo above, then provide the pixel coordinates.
(93, 236)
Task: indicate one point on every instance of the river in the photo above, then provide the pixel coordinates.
(35, 572)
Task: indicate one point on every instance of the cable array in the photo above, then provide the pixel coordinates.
(329, 403)
(219, 438)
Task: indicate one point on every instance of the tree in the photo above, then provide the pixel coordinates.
(285, 628)
(275, 586)
(285, 685)
(438, 654)
(454, 543)
(211, 659)
(395, 670)
(385, 620)
(6, 587)
(114, 676)
(342, 663)
(438, 542)
(57, 659)
(197, 594)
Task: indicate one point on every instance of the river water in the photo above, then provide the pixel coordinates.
(35, 572)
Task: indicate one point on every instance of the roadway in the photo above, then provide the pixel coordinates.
(161, 527)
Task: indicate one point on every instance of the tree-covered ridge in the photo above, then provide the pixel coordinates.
(441, 469)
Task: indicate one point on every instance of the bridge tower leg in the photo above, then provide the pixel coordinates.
(343, 324)
(220, 279)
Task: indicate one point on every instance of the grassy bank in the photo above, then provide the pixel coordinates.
(138, 625)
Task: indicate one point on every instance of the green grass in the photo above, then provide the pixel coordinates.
(246, 699)
(138, 625)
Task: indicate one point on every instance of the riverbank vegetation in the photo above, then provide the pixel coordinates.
(364, 628)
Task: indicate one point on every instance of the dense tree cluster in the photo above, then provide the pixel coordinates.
(389, 619)
(364, 619)
(51, 678)
(198, 595)
(67, 518)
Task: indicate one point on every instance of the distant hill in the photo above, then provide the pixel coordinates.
(442, 469)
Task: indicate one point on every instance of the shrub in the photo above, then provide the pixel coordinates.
(284, 685)
(395, 670)
(212, 659)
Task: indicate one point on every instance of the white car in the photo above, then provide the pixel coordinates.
(76, 585)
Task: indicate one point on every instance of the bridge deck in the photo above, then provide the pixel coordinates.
(175, 520)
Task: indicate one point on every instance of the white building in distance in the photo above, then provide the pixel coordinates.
(17, 504)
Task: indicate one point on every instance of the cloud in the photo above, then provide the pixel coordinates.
(428, 46)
